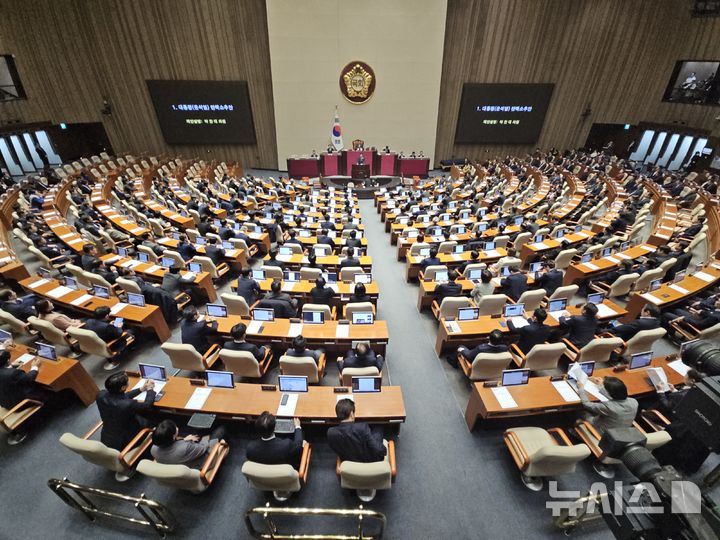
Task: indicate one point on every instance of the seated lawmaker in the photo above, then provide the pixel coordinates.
(431, 260)
(495, 345)
(484, 288)
(581, 329)
(15, 384)
(449, 289)
(101, 323)
(173, 283)
(119, 410)
(172, 449)
(272, 450)
(195, 332)
(320, 294)
(362, 356)
(649, 320)
(213, 252)
(277, 294)
(247, 287)
(359, 294)
(45, 309)
(238, 342)
(699, 316)
(474, 259)
(354, 441)
(619, 411)
(551, 279)
(20, 308)
(298, 349)
(186, 250)
(515, 284)
(534, 333)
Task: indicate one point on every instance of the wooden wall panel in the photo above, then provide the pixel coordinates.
(615, 56)
(72, 53)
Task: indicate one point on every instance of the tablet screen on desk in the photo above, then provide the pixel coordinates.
(220, 379)
(217, 310)
(515, 377)
(468, 314)
(292, 383)
(45, 350)
(135, 299)
(366, 384)
(362, 317)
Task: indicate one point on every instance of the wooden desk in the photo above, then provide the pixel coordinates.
(148, 318)
(533, 250)
(451, 260)
(426, 291)
(65, 373)
(540, 397)
(301, 290)
(329, 262)
(580, 272)
(248, 401)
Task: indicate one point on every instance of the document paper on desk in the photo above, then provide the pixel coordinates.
(254, 327)
(38, 283)
(81, 299)
(705, 277)
(566, 391)
(504, 398)
(59, 292)
(605, 311)
(118, 307)
(288, 410)
(658, 379)
(342, 330)
(519, 322)
(679, 367)
(158, 386)
(678, 288)
(452, 327)
(295, 330)
(198, 398)
(591, 266)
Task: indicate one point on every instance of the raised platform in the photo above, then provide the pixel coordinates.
(364, 189)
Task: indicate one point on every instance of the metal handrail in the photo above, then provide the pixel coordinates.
(154, 514)
(267, 512)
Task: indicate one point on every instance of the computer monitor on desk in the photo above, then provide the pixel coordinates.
(459, 249)
(292, 383)
(123, 252)
(220, 379)
(514, 310)
(505, 271)
(586, 258)
(101, 292)
(489, 246)
(606, 252)
(167, 262)
(363, 385)
(515, 377)
(135, 299)
(468, 314)
(291, 276)
(195, 268)
(363, 278)
(538, 238)
(265, 315)
(474, 274)
(152, 372)
(536, 267)
(47, 351)
(217, 310)
(559, 304)
(640, 360)
(313, 317)
(596, 298)
(143, 257)
(71, 283)
(424, 252)
(258, 275)
(5, 336)
(441, 275)
(362, 317)
(285, 251)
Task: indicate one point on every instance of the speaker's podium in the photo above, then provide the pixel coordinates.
(350, 159)
(360, 172)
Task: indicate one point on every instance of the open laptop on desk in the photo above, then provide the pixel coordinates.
(558, 308)
(516, 314)
(640, 360)
(154, 373)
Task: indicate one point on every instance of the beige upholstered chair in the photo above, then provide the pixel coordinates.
(532, 299)
(348, 373)
(310, 274)
(485, 366)
(348, 273)
(642, 341)
(564, 258)
(357, 307)
(49, 331)
(128, 285)
(273, 272)
(450, 306)
(12, 420)
(648, 277)
(542, 357)
(215, 271)
(282, 480)
(431, 271)
(244, 364)
(303, 366)
(502, 241)
(416, 247)
(184, 477)
(79, 274)
(185, 357)
(178, 261)
(567, 292)
(620, 287)
(447, 247)
(521, 239)
(492, 304)
(149, 252)
(538, 453)
(17, 326)
(236, 304)
(320, 308)
(474, 266)
(89, 342)
(367, 478)
(597, 350)
(122, 463)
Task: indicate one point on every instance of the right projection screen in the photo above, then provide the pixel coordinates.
(502, 113)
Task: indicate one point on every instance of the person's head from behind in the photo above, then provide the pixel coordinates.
(312, 258)
(320, 282)
(88, 249)
(4, 358)
(238, 331)
(540, 315)
(496, 337)
(276, 286)
(101, 313)
(626, 265)
(486, 276)
(693, 376)
(590, 310)
(615, 388)
(190, 313)
(452, 275)
(511, 252)
(117, 383)
(433, 253)
(165, 434)
(651, 310)
(245, 272)
(345, 410)
(299, 343)
(43, 306)
(7, 295)
(362, 348)
(265, 424)
(474, 255)
(360, 290)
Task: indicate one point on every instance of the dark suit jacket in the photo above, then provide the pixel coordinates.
(248, 289)
(321, 296)
(430, 261)
(245, 346)
(174, 283)
(550, 281)
(326, 240)
(628, 331)
(215, 254)
(196, 333)
(484, 348)
(15, 385)
(531, 335)
(315, 355)
(186, 250)
(514, 285)
(447, 289)
(353, 242)
(119, 416)
(581, 329)
(105, 331)
(354, 441)
(349, 262)
(22, 308)
(353, 360)
(277, 451)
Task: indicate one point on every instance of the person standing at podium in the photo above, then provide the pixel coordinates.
(361, 160)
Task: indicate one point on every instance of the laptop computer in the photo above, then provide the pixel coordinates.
(101, 292)
(361, 385)
(640, 360)
(135, 299)
(258, 275)
(362, 317)
(217, 310)
(514, 310)
(167, 262)
(596, 298)
(313, 317)
(220, 379)
(261, 314)
(468, 314)
(363, 278)
(558, 307)
(515, 377)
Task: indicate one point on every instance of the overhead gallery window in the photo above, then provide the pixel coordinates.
(10, 86)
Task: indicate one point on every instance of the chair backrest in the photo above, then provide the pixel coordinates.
(241, 363)
(568, 291)
(273, 272)
(310, 274)
(271, 477)
(348, 373)
(451, 304)
(44, 259)
(510, 261)
(97, 279)
(521, 239)
(502, 241)
(710, 334)
(610, 241)
(150, 253)
(176, 476)
(348, 273)
(599, 349)
(622, 285)
(489, 366)
(532, 299)
(544, 356)
(491, 304)
(89, 342)
(193, 234)
(183, 356)
(207, 265)
(79, 274)
(320, 250)
(554, 459)
(236, 304)
(295, 248)
(643, 341)
(647, 277)
(128, 285)
(300, 365)
(416, 247)
(432, 270)
(447, 247)
(93, 452)
(47, 330)
(474, 266)
(322, 308)
(375, 475)
(357, 307)
(564, 258)
(176, 257)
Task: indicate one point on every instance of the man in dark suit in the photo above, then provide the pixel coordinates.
(213, 252)
(626, 267)
(326, 223)
(323, 238)
(173, 282)
(451, 288)
(20, 308)
(495, 345)
(362, 356)
(15, 384)
(299, 349)
(432, 260)
(535, 333)
(515, 284)
(148, 240)
(550, 280)
(271, 450)
(277, 294)
(581, 329)
(683, 260)
(474, 259)
(114, 336)
(197, 333)
(119, 410)
(239, 344)
(320, 294)
(89, 257)
(186, 250)
(649, 320)
(247, 287)
(353, 241)
(354, 441)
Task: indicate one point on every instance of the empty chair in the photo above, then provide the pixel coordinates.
(272, 272)
(357, 307)
(48, 331)
(44, 259)
(485, 366)
(122, 463)
(501, 241)
(620, 287)
(431, 271)
(538, 453)
(13, 420)
(178, 261)
(521, 239)
(348, 273)
(79, 274)
(564, 258)
(282, 479)
(303, 366)
(491, 304)
(186, 357)
(215, 271)
(542, 357)
(236, 304)
(244, 364)
(89, 343)
(450, 306)
(648, 277)
(567, 292)
(310, 274)
(598, 350)
(149, 252)
(642, 341)
(17, 326)
(447, 247)
(367, 478)
(532, 299)
(184, 477)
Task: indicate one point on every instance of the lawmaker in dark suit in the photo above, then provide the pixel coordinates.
(495, 345)
(362, 356)
(197, 333)
(277, 294)
(350, 261)
(299, 349)
(535, 333)
(581, 329)
(119, 411)
(20, 308)
(173, 282)
(89, 257)
(272, 450)
(354, 441)
(432, 260)
(550, 280)
(515, 284)
(353, 241)
(186, 250)
(323, 238)
(320, 294)
(101, 324)
(239, 344)
(451, 288)
(214, 253)
(247, 287)
(15, 384)
(649, 320)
